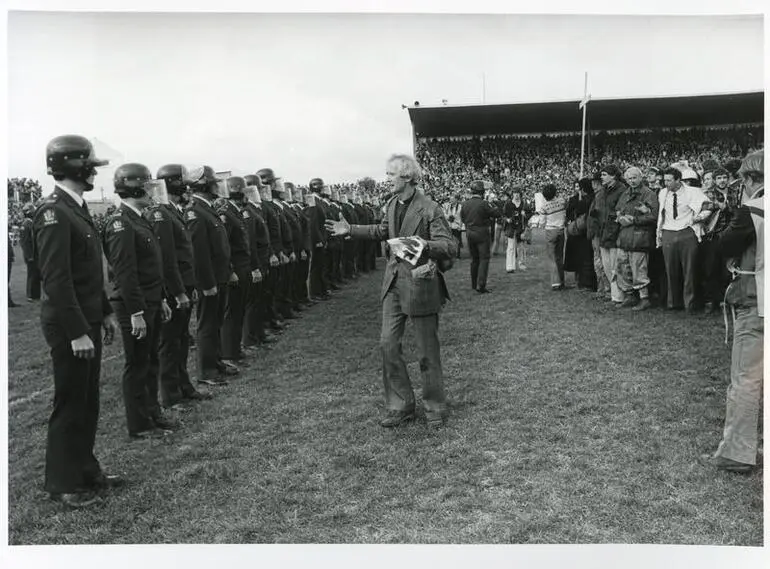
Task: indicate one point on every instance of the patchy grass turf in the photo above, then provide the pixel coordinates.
(571, 423)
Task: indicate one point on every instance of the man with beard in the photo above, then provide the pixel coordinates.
(73, 315)
(174, 348)
(211, 255)
(410, 292)
(258, 312)
(316, 212)
(230, 212)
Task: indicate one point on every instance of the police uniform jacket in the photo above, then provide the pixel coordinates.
(293, 219)
(211, 249)
(69, 255)
(263, 249)
(249, 223)
(287, 239)
(240, 253)
(184, 251)
(316, 216)
(304, 220)
(160, 220)
(272, 215)
(134, 254)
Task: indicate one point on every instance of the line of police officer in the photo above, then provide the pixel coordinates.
(248, 252)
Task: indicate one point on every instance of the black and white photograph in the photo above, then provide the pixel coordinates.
(383, 275)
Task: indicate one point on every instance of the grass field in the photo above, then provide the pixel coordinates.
(571, 422)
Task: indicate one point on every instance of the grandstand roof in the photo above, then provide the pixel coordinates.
(603, 114)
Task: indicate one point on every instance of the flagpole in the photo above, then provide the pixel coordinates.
(584, 104)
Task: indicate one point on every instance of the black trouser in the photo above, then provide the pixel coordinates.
(318, 285)
(479, 246)
(348, 258)
(680, 253)
(257, 314)
(33, 281)
(362, 261)
(714, 276)
(173, 349)
(300, 282)
(209, 310)
(371, 248)
(269, 285)
(70, 464)
(658, 280)
(335, 260)
(283, 302)
(235, 309)
(140, 375)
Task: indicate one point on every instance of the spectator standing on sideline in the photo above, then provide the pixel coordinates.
(743, 242)
(678, 235)
(477, 215)
(28, 250)
(11, 259)
(417, 293)
(578, 254)
(593, 234)
(453, 216)
(614, 188)
(515, 222)
(554, 210)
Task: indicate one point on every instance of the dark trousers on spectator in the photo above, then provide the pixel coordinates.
(555, 250)
(714, 276)
(680, 253)
(210, 310)
(140, 375)
(658, 279)
(235, 309)
(33, 281)
(70, 464)
(479, 246)
(173, 349)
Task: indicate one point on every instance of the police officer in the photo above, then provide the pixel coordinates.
(303, 266)
(27, 249)
(334, 213)
(230, 212)
(283, 239)
(274, 227)
(316, 213)
(75, 309)
(133, 252)
(349, 246)
(294, 220)
(176, 249)
(262, 261)
(364, 218)
(211, 259)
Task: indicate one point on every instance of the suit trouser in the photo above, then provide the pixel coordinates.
(140, 378)
(70, 464)
(33, 281)
(632, 272)
(399, 395)
(657, 272)
(555, 249)
(680, 253)
(602, 282)
(173, 349)
(610, 264)
(458, 235)
(318, 285)
(479, 247)
(512, 253)
(714, 275)
(209, 310)
(235, 309)
(739, 441)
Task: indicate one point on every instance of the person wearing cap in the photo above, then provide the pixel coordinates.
(134, 254)
(336, 243)
(593, 234)
(477, 215)
(678, 234)
(294, 219)
(743, 243)
(637, 211)
(174, 347)
(230, 212)
(211, 256)
(316, 212)
(364, 218)
(74, 314)
(410, 291)
(28, 251)
(303, 266)
(610, 228)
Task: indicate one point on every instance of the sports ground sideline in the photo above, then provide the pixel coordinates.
(571, 422)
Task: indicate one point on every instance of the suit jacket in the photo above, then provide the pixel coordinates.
(477, 215)
(419, 295)
(69, 255)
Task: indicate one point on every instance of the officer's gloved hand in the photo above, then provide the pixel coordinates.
(292, 257)
(256, 276)
(182, 301)
(165, 311)
(274, 262)
(210, 292)
(138, 326)
(303, 256)
(233, 278)
(284, 258)
(83, 347)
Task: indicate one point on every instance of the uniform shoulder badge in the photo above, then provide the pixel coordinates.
(49, 217)
(246, 214)
(223, 217)
(117, 225)
(190, 214)
(157, 215)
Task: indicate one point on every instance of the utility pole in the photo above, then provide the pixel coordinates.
(584, 105)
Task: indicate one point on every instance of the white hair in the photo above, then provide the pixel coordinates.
(633, 170)
(406, 167)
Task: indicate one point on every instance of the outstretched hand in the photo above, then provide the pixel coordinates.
(337, 228)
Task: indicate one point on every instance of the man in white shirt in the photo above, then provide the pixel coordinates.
(678, 235)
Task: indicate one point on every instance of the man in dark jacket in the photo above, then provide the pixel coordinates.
(477, 215)
(637, 211)
(607, 214)
(27, 249)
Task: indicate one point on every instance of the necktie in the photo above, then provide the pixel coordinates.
(676, 206)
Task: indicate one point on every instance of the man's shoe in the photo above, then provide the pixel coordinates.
(435, 423)
(107, 481)
(227, 368)
(644, 304)
(198, 396)
(396, 418)
(215, 380)
(627, 302)
(484, 290)
(153, 433)
(165, 424)
(77, 499)
(726, 464)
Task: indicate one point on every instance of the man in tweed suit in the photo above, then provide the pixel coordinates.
(408, 291)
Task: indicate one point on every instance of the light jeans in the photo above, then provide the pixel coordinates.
(512, 254)
(610, 263)
(631, 272)
(739, 441)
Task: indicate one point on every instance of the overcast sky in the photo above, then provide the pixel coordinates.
(320, 95)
